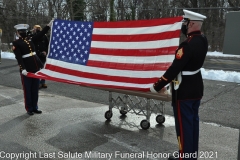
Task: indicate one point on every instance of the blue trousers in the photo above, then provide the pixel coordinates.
(187, 127)
(30, 89)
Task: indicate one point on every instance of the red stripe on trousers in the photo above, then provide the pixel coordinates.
(24, 92)
(180, 128)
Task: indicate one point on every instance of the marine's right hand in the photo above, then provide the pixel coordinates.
(24, 72)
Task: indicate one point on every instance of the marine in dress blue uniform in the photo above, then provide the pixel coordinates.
(187, 85)
(28, 61)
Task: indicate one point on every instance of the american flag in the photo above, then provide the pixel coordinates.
(129, 55)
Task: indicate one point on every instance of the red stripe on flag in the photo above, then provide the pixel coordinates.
(134, 52)
(101, 76)
(91, 85)
(138, 23)
(136, 37)
(126, 66)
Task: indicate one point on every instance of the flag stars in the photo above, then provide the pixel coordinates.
(70, 41)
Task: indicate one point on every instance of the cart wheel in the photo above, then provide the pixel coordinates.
(145, 124)
(108, 115)
(123, 112)
(160, 119)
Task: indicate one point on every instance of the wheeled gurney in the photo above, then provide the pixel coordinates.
(139, 103)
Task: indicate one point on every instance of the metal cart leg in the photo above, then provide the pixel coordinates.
(145, 124)
(108, 114)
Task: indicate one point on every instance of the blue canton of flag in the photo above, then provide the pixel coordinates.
(71, 41)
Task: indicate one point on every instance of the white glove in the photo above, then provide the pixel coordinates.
(153, 90)
(50, 23)
(24, 72)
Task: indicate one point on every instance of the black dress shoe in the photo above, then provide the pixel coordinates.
(37, 111)
(30, 113)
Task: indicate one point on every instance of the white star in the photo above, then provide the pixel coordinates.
(82, 25)
(72, 50)
(79, 51)
(75, 55)
(84, 38)
(85, 30)
(73, 41)
(83, 47)
(55, 30)
(89, 26)
(81, 34)
(63, 44)
(75, 24)
(84, 60)
(62, 23)
(69, 24)
(88, 34)
(77, 38)
(63, 57)
(86, 52)
(70, 58)
(65, 48)
(87, 43)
